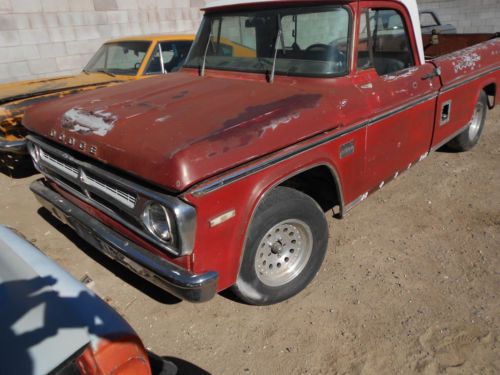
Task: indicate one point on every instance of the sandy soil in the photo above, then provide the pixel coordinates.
(410, 284)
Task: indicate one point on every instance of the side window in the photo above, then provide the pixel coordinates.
(427, 19)
(154, 65)
(383, 42)
(174, 54)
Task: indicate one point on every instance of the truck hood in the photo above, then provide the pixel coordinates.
(179, 129)
(25, 89)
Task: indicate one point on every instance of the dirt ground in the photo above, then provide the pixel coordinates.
(410, 285)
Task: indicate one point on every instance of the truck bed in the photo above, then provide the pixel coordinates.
(453, 42)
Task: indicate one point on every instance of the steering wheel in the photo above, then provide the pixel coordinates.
(330, 51)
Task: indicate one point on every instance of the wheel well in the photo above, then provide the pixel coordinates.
(321, 185)
(491, 91)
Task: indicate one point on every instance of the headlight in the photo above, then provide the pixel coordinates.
(158, 221)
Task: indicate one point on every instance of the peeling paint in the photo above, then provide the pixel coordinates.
(281, 120)
(80, 121)
(163, 118)
(466, 62)
(395, 77)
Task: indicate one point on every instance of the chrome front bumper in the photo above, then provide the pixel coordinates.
(13, 147)
(169, 277)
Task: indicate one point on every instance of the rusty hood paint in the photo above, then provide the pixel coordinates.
(179, 129)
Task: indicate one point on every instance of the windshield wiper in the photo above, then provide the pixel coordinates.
(279, 37)
(106, 72)
(86, 72)
(202, 68)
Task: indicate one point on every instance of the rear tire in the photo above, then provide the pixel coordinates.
(471, 135)
(285, 247)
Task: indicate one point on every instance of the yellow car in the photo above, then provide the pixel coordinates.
(116, 61)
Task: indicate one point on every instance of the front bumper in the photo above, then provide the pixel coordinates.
(169, 277)
(13, 147)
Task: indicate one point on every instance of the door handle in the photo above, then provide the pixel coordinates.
(435, 73)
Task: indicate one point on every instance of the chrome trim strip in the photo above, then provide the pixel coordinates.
(244, 172)
(159, 271)
(468, 80)
(184, 213)
(13, 147)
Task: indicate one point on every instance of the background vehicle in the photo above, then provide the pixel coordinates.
(53, 324)
(244, 154)
(116, 61)
(429, 21)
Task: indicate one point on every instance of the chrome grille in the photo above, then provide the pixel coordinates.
(121, 196)
(121, 199)
(58, 164)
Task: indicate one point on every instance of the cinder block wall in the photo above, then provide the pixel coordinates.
(40, 38)
(468, 16)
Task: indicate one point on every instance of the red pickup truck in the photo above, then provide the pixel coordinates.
(219, 176)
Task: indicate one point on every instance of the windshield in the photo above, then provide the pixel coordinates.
(313, 41)
(118, 58)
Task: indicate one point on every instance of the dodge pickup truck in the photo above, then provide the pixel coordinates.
(220, 175)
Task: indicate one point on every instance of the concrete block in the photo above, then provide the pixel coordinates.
(146, 4)
(83, 46)
(72, 18)
(105, 5)
(43, 20)
(9, 38)
(127, 4)
(62, 34)
(34, 36)
(79, 5)
(95, 18)
(55, 5)
(131, 29)
(181, 3)
(18, 53)
(86, 32)
(109, 31)
(117, 16)
(19, 70)
(52, 49)
(5, 6)
(42, 66)
(73, 63)
(26, 6)
(14, 21)
(164, 4)
(197, 3)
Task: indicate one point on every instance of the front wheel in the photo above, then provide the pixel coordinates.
(285, 247)
(470, 136)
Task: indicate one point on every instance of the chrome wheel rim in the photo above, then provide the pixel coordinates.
(283, 252)
(475, 123)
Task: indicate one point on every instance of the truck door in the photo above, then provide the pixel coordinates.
(402, 95)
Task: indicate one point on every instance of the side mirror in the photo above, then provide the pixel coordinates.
(435, 37)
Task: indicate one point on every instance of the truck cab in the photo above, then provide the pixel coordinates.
(220, 175)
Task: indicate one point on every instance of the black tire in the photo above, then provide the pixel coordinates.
(471, 135)
(304, 230)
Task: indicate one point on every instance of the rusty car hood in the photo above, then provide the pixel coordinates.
(179, 129)
(24, 89)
